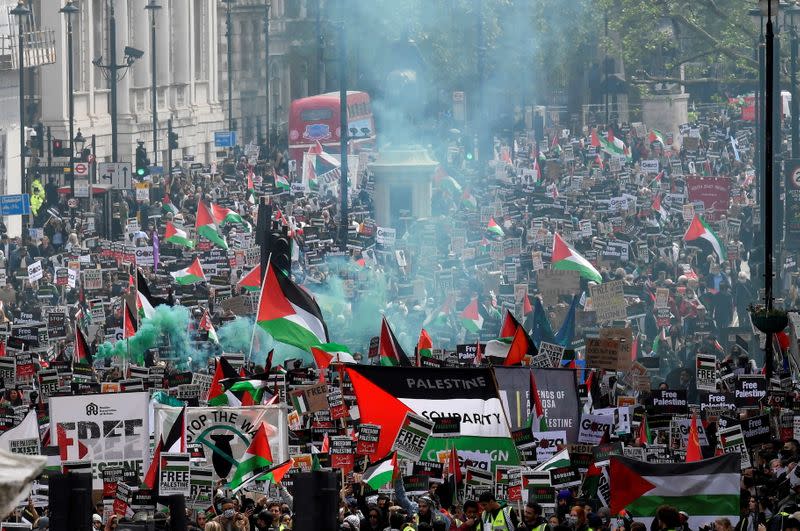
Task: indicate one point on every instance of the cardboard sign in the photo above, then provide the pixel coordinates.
(750, 390)
(35, 271)
(553, 283)
(564, 477)
(732, 442)
(368, 437)
(608, 300)
(662, 298)
(92, 279)
(593, 427)
(341, 452)
(174, 474)
(412, 437)
(706, 372)
(602, 353)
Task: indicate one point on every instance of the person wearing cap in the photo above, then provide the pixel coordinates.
(97, 521)
(495, 516)
(683, 516)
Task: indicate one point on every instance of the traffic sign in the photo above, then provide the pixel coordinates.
(224, 139)
(118, 174)
(156, 170)
(15, 205)
(81, 169)
(81, 188)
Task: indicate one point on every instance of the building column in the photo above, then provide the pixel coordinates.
(141, 28)
(54, 78)
(124, 84)
(163, 41)
(180, 19)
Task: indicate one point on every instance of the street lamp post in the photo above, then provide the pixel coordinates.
(229, 40)
(70, 9)
(769, 102)
(110, 71)
(153, 7)
(21, 11)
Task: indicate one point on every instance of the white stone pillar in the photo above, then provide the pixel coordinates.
(141, 40)
(165, 16)
(123, 85)
(55, 97)
(182, 36)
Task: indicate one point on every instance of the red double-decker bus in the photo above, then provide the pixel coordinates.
(316, 119)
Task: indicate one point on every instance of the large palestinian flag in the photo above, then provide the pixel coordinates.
(289, 313)
(700, 230)
(707, 489)
(566, 258)
(386, 394)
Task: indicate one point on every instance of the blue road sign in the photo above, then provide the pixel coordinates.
(15, 205)
(224, 139)
(156, 170)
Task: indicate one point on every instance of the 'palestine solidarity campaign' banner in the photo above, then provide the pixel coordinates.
(386, 394)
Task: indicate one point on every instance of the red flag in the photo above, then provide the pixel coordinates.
(455, 466)
(129, 325)
(478, 354)
(521, 345)
(693, 451)
(510, 325)
(526, 305)
(326, 444)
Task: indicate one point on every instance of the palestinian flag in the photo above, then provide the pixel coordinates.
(82, 355)
(174, 442)
(560, 459)
(381, 473)
(565, 258)
(129, 324)
(693, 451)
(208, 326)
(659, 209)
(251, 390)
(657, 136)
(385, 394)
(390, 351)
(281, 182)
(328, 353)
(252, 280)
(614, 146)
(177, 236)
(207, 227)
(494, 228)
(190, 275)
(699, 229)
(143, 287)
(288, 313)
(224, 215)
(424, 346)
(471, 317)
(595, 140)
(536, 419)
(223, 371)
(510, 325)
(168, 207)
(707, 489)
(251, 189)
(645, 436)
(255, 462)
(468, 201)
(521, 346)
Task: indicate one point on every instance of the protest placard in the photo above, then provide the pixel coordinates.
(608, 300)
(174, 474)
(706, 372)
(412, 436)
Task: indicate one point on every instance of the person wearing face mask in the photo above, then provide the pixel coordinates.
(229, 519)
(576, 519)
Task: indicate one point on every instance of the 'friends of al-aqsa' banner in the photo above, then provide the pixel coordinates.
(386, 394)
(107, 429)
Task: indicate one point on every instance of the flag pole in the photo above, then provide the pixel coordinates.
(258, 307)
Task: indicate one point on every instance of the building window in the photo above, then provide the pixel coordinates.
(100, 36)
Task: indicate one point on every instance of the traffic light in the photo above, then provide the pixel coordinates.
(281, 249)
(173, 140)
(142, 162)
(60, 149)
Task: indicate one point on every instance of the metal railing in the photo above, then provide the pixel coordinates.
(40, 49)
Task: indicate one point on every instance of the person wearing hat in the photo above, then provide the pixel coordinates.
(424, 509)
(683, 516)
(97, 521)
(495, 516)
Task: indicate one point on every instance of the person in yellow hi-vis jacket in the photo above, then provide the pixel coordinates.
(37, 196)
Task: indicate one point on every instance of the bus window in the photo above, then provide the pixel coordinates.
(316, 115)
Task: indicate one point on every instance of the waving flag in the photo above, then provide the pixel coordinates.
(471, 317)
(252, 280)
(190, 275)
(177, 236)
(700, 230)
(494, 228)
(391, 353)
(386, 394)
(224, 215)
(707, 489)
(659, 209)
(424, 346)
(207, 227)
(381, 472)
(288, 313)
(256, 461)
(566, 258)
